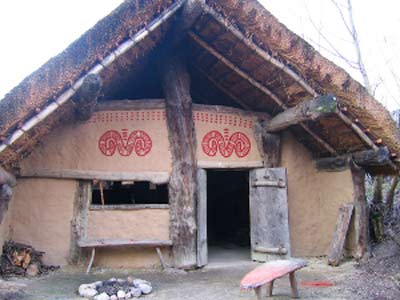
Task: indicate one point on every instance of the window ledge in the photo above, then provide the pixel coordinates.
(128, 206)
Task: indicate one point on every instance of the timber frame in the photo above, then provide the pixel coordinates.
(191, 15)
(189, 47)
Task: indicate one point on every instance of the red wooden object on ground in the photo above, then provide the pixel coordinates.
(269, 272)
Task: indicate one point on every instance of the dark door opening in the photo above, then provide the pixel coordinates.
(228, 217)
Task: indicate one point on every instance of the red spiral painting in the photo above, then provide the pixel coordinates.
(138, 141)
(214, 141)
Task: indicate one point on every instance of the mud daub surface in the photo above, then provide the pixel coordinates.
(218, 282)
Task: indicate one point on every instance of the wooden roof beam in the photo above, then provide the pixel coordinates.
(367, 158)
(223, 89)
(265, 55)
(262, 53)
(305, 111)
(97, 69)
(259, 86)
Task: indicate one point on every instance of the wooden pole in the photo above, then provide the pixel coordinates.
(364, 137)
(262, 53)
(269, 145)
(97, 69)
(223, 89)
(340, 234)
(182, 185)
(86, 97)
(366, 158)
(304, 111)
(360, 211)
(101, 194)
(257, 85)
(79, 222)
(265, 55)
(293, 285)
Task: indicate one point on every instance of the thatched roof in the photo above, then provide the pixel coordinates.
(239, 54)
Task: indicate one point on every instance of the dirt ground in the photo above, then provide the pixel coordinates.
(217, 281)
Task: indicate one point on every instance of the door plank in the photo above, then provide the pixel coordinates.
(269, 215)
(202, 246)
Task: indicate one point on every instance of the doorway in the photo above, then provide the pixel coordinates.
(228, 216)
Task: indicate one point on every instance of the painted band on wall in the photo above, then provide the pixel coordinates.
(127, 141)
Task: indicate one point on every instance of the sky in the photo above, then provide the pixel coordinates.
(31, 32)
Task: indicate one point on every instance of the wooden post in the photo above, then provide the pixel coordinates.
(182, 184)
(270, 287)
(293, 285)
(269, 145)
(83, 198)
(360, 211)
(202, 244)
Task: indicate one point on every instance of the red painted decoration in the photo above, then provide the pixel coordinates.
(214, 141)
(138, 141)
(316, 283)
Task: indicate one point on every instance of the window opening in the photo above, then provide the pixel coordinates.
(129, 192)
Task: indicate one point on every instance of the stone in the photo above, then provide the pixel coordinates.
(102, 296)
(121, 294)
(120, 280)
(87, 290)
(128, 295)
(129, 279)
(113, 297)
(32, 270)
(145, 288)
(135, 292)
(97, 284)
(136, 282)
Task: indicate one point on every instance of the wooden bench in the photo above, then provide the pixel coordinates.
(267, 273)
(109, 243)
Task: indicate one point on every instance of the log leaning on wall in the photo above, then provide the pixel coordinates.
(182, 184)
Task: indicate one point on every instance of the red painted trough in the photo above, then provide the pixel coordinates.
(268, 272)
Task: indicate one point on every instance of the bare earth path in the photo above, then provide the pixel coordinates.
(214, 282)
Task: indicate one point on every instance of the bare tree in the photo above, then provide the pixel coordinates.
(379, 205)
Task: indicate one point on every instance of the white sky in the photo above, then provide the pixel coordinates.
(31, 32)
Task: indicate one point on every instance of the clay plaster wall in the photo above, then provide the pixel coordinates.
(41, 216)
(224, 139)
(92, 145)
(143, 224)
(314, 199)
(234, 131)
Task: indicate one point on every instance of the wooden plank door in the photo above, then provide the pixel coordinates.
(202, 245)
(269, 219)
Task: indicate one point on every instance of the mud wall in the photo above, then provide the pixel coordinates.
(111, 141)
(233, 130)
(143, 224)
(314, 199)
(137, 141)
(41, 216)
